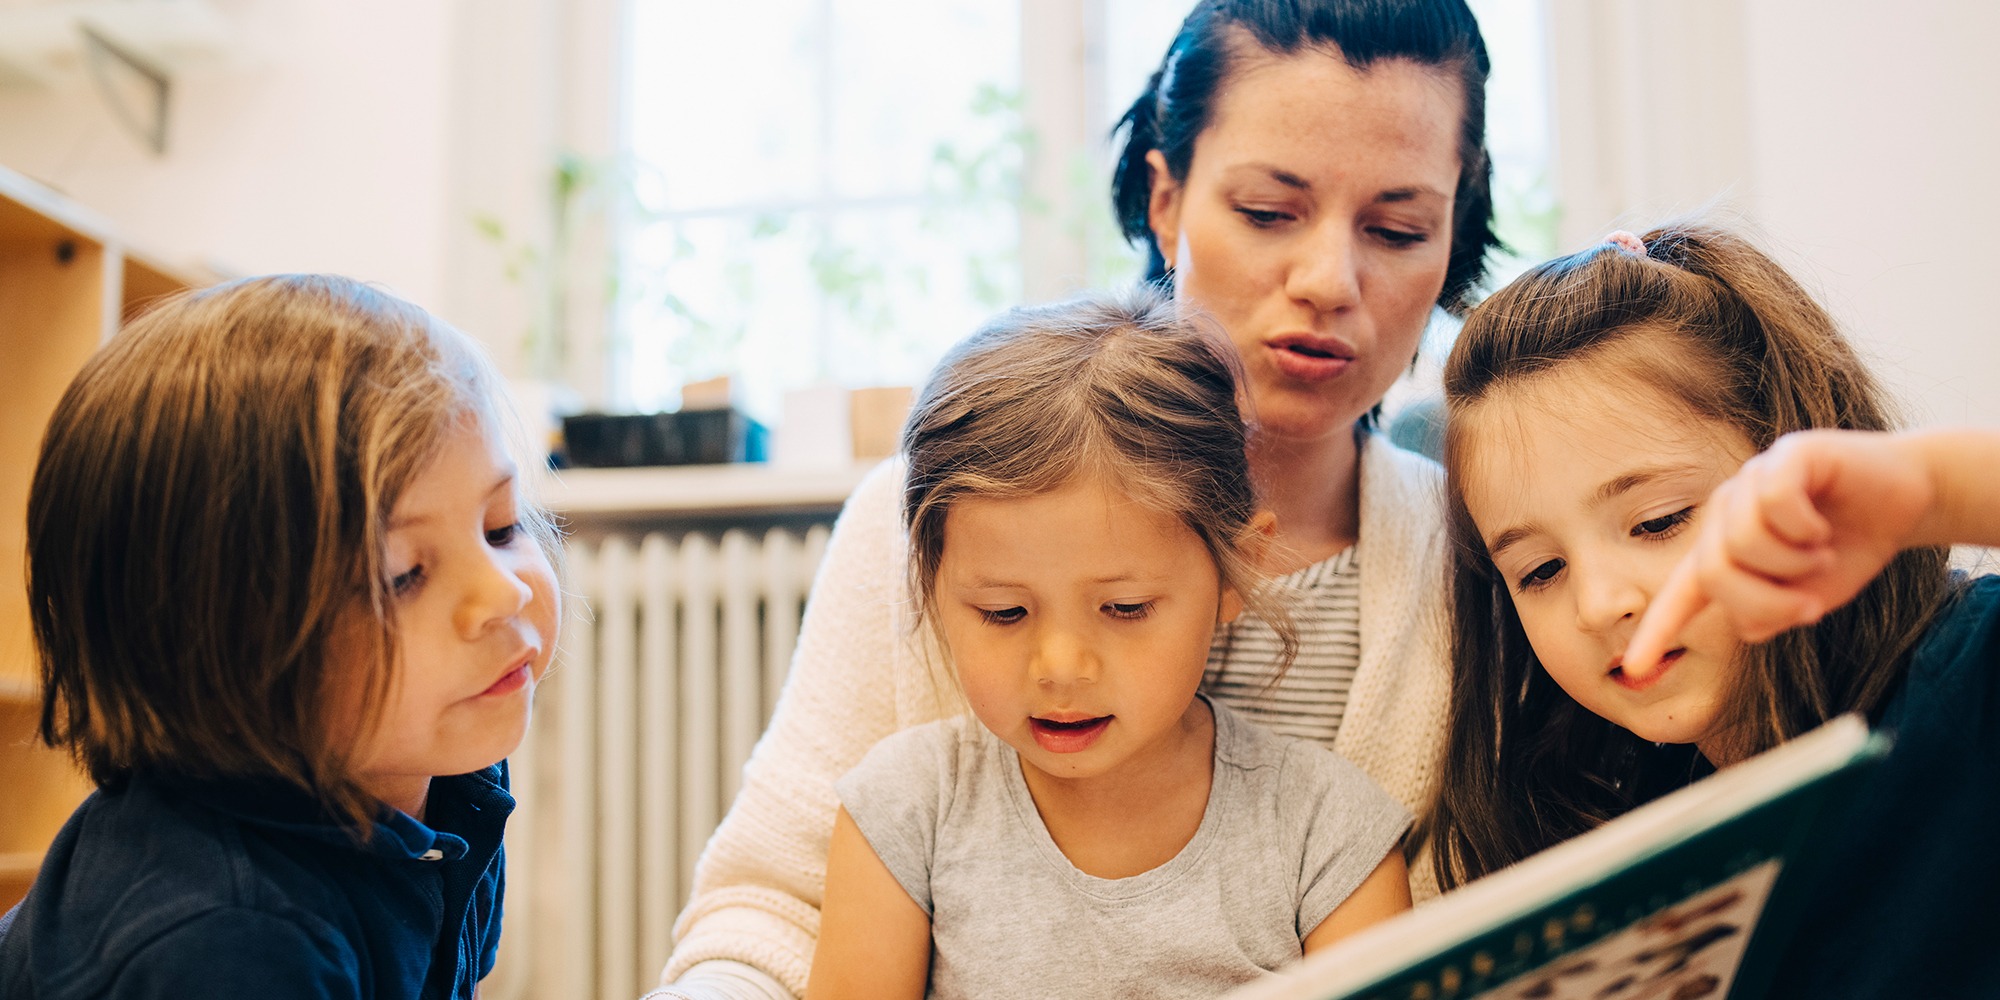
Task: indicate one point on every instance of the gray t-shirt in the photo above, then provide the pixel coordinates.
(1291, 829)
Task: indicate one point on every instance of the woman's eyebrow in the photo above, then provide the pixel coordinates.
(1411, 193)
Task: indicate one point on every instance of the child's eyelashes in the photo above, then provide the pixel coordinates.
(1121, 610)
(1652, 530)
(1540, 576)
(407, 581)
(1663, 526)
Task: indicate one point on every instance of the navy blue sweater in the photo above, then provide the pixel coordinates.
(162, 889)
(1905, 907)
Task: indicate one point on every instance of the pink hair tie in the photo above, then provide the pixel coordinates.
(1627, 242)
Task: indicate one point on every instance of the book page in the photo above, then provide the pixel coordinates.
(1686, 952)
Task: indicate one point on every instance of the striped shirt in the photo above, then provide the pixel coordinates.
(1310, 699)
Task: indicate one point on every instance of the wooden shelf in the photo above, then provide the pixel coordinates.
(66, 284)
(52, 316)
(43, 787)
(17, 873)
(144, 283)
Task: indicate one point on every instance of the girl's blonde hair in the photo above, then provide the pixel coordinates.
(1118, 387)
(1739, 342)
(211, 497)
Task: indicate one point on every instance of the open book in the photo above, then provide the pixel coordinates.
(1684, 897)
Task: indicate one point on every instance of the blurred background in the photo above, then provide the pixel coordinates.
(624, 196)
(790, 208)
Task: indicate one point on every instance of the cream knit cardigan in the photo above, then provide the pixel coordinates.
(859, 674)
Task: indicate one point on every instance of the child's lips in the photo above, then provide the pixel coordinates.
(1666, 663)
(1068, 735)
(513, 680)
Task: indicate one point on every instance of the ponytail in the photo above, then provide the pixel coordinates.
(1809, 376)
(1132, 177)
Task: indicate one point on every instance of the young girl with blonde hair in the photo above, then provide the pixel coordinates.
(290, 606)
(1683, 533)
(1081, 520)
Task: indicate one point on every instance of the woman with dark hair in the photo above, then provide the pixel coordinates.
(1312, 175)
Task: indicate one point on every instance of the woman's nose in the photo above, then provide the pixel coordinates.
(1323, 275)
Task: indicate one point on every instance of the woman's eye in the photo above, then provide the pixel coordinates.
(1663, 524)
(1263, 218)
(501, 537)
(1541, 574)
(404, 582)
(1129, 611)
(1003, 616)
(1400, 237)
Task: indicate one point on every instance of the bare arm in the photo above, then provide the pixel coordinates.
(874, 941)
(1383, 894)
(1801, 528)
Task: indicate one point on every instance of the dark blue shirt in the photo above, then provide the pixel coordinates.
(174, 890)
(1908, 903)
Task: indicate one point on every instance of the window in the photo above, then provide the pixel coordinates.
(833, 190)
(826, 190)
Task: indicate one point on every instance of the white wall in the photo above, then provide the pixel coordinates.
(1857, 139)
(362, 136)
(321, 146)
(355, 136)
(1875, 129)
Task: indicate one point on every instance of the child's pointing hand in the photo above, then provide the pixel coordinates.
(1795, 533)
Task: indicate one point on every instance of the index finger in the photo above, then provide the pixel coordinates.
(1679, 600)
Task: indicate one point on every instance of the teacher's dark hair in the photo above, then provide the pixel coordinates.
(1175, 107)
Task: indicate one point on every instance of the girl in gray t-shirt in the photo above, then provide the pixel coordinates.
(1080, 519)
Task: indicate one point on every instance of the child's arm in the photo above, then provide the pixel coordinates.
(1383, 894)
(1801, 528)
(874, 940)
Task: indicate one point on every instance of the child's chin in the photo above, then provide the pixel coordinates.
(1677, 731)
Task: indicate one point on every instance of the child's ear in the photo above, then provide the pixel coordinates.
(1229, 607)
(1255, 545)
(1259, 536)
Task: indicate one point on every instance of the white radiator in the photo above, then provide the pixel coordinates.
(670, 662)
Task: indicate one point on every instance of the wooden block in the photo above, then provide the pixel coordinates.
(876, 417)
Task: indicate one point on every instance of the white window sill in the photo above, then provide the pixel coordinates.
(699, 490)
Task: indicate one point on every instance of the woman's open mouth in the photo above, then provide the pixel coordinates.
(1309, 358)
(1068, 736)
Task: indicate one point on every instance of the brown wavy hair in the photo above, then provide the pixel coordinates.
(212, 495)
(1118, 386)
(1739, 342)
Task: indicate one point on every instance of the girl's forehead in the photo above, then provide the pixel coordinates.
(1575, 428)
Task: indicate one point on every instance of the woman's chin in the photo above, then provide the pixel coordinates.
(1295, 422)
